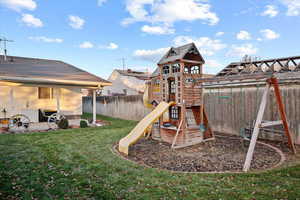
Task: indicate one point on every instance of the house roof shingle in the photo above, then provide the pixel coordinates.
(22, 67)
(136, 74)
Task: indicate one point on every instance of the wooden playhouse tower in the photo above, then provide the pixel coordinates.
(185, 123)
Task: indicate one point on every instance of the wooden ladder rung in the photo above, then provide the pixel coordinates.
(270, 123)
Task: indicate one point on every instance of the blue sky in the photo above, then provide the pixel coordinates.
(96, 34)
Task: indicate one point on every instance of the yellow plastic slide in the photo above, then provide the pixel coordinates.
(142, 126)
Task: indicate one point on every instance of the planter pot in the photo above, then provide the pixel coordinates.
(3, 129)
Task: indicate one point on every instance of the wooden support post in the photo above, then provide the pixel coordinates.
(202, 109)
(176, 88)
(274, 82)
(182, 100)
(94, 106)
(202, 99)
(256, 129)
(58, 101)
(12, 99)
(175, 138)
(208, 133)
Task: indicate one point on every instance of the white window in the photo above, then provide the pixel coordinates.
(172, 87)
(166, 69)
(186, 70)
(156, 82)
(174, 112)
(195, 70)
(189, 80)
(175, 68)
(46, 93)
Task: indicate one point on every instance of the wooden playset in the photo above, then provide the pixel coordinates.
(176, 94)
(186, 122)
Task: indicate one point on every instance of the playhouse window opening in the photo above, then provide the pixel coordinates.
(157, 82)
(193, 50)
(45, 93)
(189, 80)
(195, 70)
(166, 70)
(174, 112)
(172, 87)
(176, 68)
(186, 70)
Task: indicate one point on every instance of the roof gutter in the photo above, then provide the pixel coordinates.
(56, 82)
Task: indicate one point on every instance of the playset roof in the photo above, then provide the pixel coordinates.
(177, 53)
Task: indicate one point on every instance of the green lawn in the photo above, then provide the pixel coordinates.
(78, 164)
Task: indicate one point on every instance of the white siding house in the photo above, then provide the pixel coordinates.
(126, 82)
(29, 85)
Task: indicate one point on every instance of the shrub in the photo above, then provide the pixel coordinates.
(63, 124)
(83, 124)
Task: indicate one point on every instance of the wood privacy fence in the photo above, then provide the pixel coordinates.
(232, 109)
(124, 107)
(229, 109)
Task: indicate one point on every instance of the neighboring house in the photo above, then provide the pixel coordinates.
(29, 85)
(126, 82)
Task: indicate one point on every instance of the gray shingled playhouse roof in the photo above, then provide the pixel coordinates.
(179, 53)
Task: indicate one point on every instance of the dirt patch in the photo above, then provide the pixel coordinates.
(222, 154)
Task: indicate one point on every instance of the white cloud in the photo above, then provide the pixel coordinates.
(270, 11)
(31, 21)
(293, 7)
(157, 30)
(46, 39)
(240, 51)
(110, 46)
(86, 45)
(218, 34)
(268, 34)
(206, 45)
(243, 35)
(76, 22)
(150, 55)
(169, 11)
(101, 2)
(19, 5)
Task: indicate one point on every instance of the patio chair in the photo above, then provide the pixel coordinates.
(51, 117)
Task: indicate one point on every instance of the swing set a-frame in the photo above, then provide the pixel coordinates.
(271, 81)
